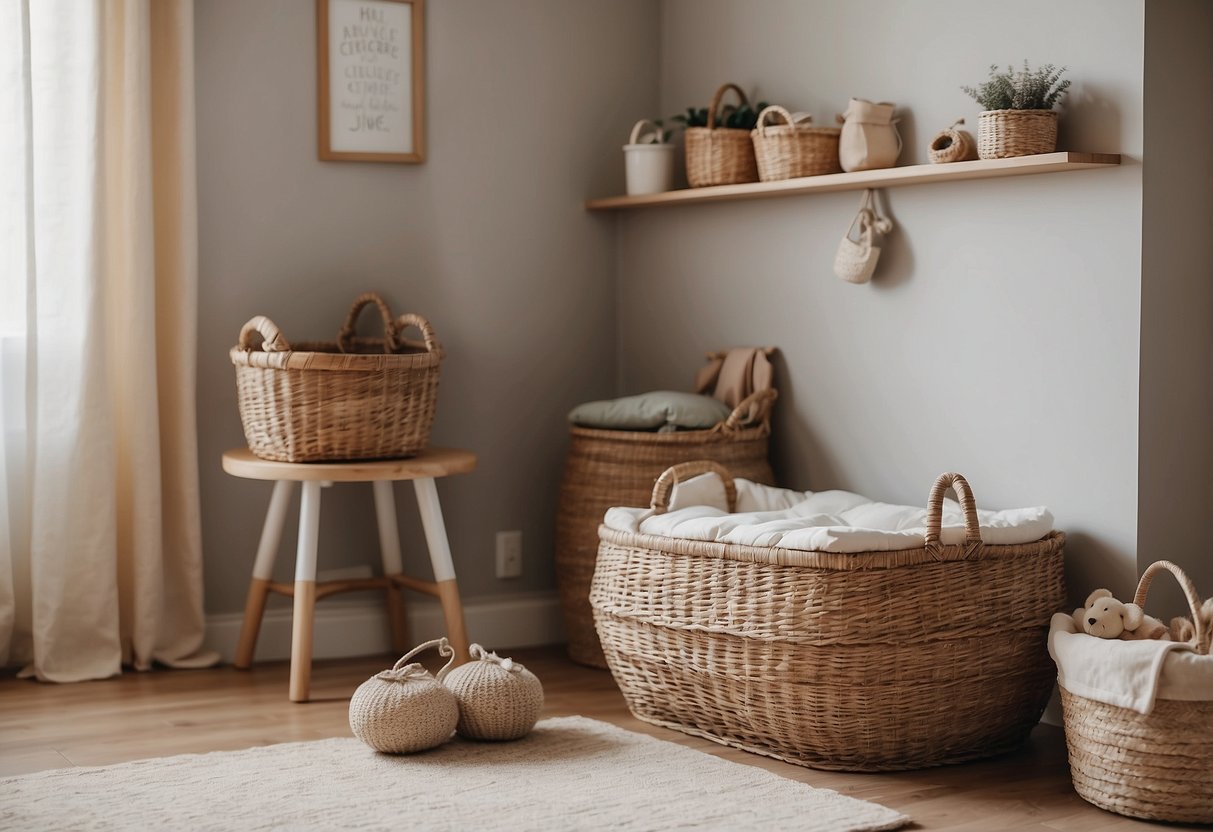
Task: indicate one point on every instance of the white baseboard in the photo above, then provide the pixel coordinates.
(345, 630)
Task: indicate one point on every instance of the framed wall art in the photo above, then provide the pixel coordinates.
(371, 80)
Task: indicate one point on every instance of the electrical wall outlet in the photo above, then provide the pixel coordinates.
(509, 554)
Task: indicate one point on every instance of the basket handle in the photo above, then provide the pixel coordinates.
(408, 319)
(754, 409)
(716, 102)
(972, 542)
(660, 503)
(636, 128)
(347, 329)
(779, 111)
(272, 339)
(1185, 583)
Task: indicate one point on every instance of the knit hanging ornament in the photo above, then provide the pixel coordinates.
(499, 699)
(405, 709)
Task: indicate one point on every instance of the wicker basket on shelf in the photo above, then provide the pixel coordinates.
(794, 148)
(868, 661)
(1157, 766)
(720, 155)
(606, 468)
(353, 398)
(1002, 134)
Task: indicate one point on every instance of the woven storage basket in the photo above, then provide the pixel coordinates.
(952, 145)
(1005, 133)
(1157, 766)
(875, 661)
(606, 468)
(719, 155)
(355, 398)
(794, 148)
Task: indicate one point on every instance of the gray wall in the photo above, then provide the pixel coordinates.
(1000, 338)
(529, 102)
(1176, 484)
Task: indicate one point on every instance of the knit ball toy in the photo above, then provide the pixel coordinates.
(499, 699)
(405, 709)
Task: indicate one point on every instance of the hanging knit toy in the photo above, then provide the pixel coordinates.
(406, 708)
(499, 699)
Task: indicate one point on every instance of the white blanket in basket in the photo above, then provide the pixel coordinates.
(823, 521)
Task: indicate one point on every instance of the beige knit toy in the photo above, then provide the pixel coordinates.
(406, 708)
(499, 699)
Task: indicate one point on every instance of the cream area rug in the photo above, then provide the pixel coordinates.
(569, 773)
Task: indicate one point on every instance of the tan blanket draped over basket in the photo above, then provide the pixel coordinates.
(733, 375)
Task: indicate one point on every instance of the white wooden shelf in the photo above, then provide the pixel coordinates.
(886, 178)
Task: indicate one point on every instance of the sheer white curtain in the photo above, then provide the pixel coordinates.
(100, 555)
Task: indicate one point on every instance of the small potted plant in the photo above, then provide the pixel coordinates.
(648, 158)
(1018, 119)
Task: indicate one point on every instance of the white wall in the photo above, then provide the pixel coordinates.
(528, 103)
(1000, 338)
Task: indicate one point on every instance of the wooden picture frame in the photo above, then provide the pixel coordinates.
(370, 58)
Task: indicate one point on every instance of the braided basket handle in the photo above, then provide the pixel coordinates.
(682, 472)
(427, 332)
(444, 649)
(754, 409)
(1185, 583)
(347, 329)
(716, 102)
(272, 339)
(972, 544)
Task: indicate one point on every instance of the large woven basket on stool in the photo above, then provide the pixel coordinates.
(353, 398)
(1157, 766)
(866, 661)
(606, 468)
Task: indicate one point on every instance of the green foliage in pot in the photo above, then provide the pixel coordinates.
(744, 117)
(1028, 89)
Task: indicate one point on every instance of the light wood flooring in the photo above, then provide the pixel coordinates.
(141, 715)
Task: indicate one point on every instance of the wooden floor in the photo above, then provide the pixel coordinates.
(170, 712)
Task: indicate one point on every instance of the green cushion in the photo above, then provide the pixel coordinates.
(662, 410)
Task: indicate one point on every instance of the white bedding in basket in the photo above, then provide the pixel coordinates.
(823, 521)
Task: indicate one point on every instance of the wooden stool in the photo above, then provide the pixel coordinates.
(422, 469)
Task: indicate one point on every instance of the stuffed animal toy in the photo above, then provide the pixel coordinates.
(1182, 628)
(1105, 617)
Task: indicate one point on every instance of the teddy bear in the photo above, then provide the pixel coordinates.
(1182, 628)
(1105, 617)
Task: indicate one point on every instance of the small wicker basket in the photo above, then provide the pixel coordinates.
(1157, 766)
(794, 148)
(355, 398)
(720, 155)
(1002, 134)
(952, 145)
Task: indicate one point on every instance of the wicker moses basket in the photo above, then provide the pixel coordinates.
(876, 661)
(1157, 766)
(606, 468)
(353, 398)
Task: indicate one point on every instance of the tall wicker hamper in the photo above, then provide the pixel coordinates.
(876, 661)
(349, 399)
(1157, 766)
(606, 468)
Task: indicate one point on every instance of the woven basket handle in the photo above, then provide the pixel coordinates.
(408, 319)
(272, 339)
(779, 111)
(675, 474)
(444, 649)
(972, 542)
(347, 329)
(1185, 583)
(716, 102)
(754, 409)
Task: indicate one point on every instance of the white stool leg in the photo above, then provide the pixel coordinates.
(263, 570)
(393, 564)
(444, 566)
(305, 593)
